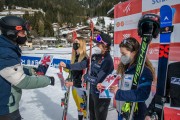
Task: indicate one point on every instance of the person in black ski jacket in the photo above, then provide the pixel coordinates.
(101, 67)
(79, 94)
(172, 92)
(13, 76)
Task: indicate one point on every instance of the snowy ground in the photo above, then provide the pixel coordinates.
(44, 103)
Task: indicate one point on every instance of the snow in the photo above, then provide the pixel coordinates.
(44, 103)
(107, 21)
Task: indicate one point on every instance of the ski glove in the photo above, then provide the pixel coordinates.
(52, 80)
(90, 79)
(41, 70)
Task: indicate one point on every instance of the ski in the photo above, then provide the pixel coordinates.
(145, 30)
(89, 70)
(166, 14)
(65, 100)
(61, 78)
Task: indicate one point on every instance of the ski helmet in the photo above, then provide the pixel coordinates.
(11, 25)
(147, 23)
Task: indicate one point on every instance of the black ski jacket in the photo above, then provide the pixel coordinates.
(77, 75)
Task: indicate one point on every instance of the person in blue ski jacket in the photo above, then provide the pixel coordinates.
(101, 67)
(13, 76)
(127, 91)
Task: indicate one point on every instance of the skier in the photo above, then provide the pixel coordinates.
(13, 77)
(102, 66)
(127, 93)
(172, 94)
(79, 95)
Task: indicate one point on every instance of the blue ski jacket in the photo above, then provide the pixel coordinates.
(140, 94)
(101, 67)
(14, 77)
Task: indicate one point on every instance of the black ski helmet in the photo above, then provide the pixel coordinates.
(145, 21)
(11, 25)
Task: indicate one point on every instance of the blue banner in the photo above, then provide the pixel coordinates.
(34, 61)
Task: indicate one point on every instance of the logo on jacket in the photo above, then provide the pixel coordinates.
(175, 80)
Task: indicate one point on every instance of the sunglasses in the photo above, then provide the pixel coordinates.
(125, 42)
(128, 43)
(99, 39)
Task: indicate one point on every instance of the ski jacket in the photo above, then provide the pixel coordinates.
(77, 75)
(172, 90)
(140, 94)
(13, 77)
(101, 67)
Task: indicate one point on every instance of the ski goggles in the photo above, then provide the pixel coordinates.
(26, 27)
(100, 40)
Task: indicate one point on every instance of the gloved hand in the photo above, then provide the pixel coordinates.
(33, 71)
(52, 80)
(41, 70)
(90, 79)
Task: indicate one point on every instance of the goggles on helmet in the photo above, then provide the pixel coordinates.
(99, 39)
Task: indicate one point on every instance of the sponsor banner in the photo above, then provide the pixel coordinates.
(116, 50)
(116, 62)
(176, 19)
(156, 40)
(156, 4)
(30, 60)
(174, 54)
(154, 11)
(175, 35)
(34, 61)
(126, 26)
(127, 22)
(153, 54)
(177, 13)
(128, 8)
(153, 51)
(120, 35)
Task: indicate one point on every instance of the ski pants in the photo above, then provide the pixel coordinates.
(11, 116)
(79, 96)
(98, 107)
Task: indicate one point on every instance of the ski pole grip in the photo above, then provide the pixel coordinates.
(60, 69)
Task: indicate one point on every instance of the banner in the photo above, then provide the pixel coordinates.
(126, 17)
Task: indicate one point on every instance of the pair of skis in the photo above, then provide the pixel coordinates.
(65, 100)
(148, 28)
(85, 104)
(166, 14)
